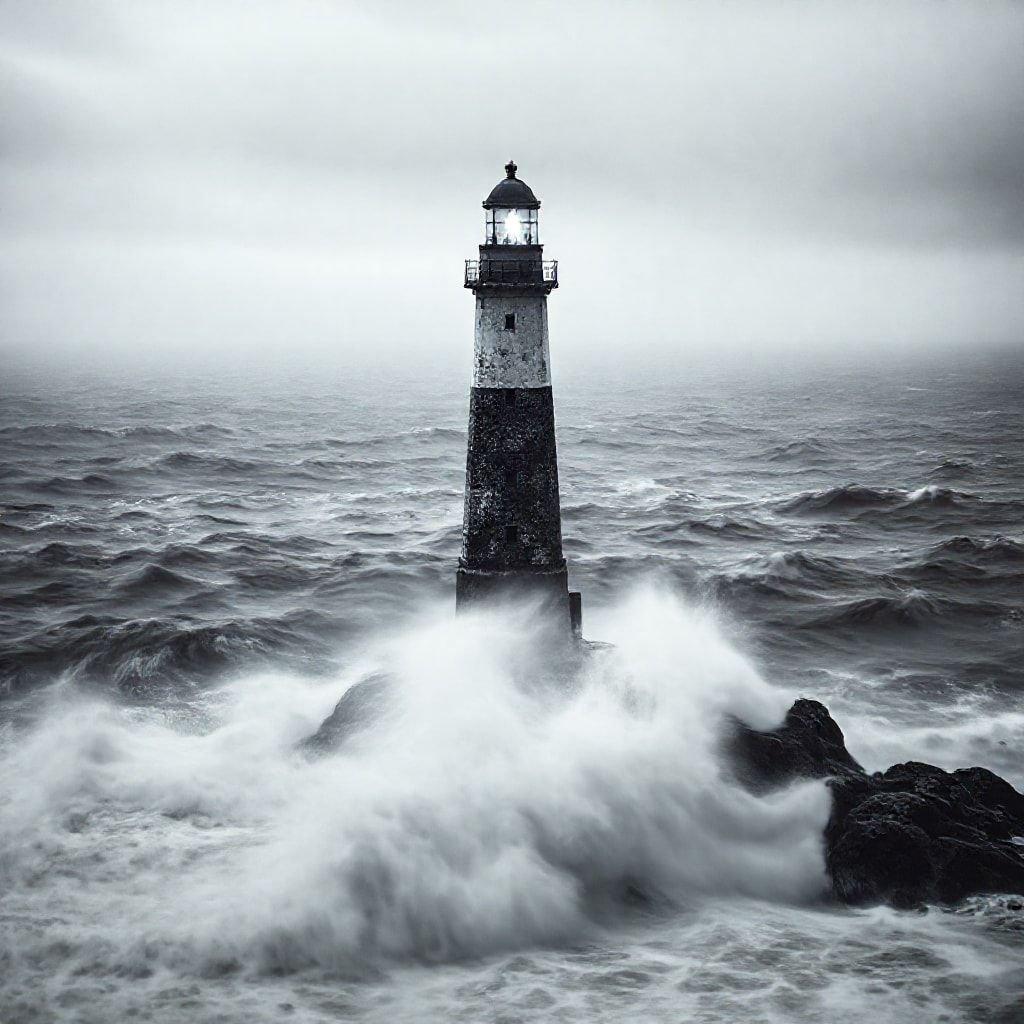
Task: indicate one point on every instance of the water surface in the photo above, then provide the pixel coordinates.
(193, 570)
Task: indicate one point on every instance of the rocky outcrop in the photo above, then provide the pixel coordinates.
(913, 834)
(808, 745)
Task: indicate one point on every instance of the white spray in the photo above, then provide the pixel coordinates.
(486, 810)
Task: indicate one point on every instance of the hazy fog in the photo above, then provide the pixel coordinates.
(305, 178)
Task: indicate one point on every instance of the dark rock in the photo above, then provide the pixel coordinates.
(913, 834)
(808, 745)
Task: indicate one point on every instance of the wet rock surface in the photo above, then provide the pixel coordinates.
(910, 835)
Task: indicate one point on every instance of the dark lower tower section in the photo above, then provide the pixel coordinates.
(512, 527)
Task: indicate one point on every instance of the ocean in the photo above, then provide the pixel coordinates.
(195, 567)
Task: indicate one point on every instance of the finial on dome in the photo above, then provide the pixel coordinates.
(511, 193)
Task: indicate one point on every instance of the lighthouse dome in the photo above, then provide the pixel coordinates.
(510, 192)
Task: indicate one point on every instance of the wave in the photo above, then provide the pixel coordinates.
(68, 432)
(943, 570)
(173, 556)
(613, 443)
(845, 497)
(192, 430)
(795, 571)
(153, 580)
(734, 527)
(665, 534)
(208, 461)
(982, 549)
(953, 469)
(660, 430)
(913, 608)
(722, 427)
(584, 510)
(966, 560)
(67, 484)
(155, 656)
(447, 433)
(492, 808)
(320, 463)
(810, 449)
(857, 497)
(386, 440)
(59, 554)
(932, 494)
(264, 544)
(786, 591)
(61, 432)
(206, 517)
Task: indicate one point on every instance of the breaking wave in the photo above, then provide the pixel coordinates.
(932, 494)
(492, 807)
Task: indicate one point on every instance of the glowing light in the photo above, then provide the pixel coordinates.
(513, 227)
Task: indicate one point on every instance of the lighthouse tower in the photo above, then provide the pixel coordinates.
(512, 525)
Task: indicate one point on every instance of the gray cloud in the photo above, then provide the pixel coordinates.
(306, 177)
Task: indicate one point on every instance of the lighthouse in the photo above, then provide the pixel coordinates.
(512, 524)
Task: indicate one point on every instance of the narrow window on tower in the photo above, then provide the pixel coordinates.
(510, 321)
(511, 534)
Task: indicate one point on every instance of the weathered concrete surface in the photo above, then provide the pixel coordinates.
(516, 358)
(913, 834)
(512, 517)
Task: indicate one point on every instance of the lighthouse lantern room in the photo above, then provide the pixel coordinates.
(511, 217)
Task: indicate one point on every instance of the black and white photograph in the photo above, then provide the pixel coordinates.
(512, 513)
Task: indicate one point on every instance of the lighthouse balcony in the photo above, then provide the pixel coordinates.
(512, 273)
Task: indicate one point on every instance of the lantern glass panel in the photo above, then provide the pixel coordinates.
(506, 226)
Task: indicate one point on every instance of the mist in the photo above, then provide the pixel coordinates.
(300, 183)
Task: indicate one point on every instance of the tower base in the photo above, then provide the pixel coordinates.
(549, 588)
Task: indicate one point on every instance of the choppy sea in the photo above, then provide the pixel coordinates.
(194, 568)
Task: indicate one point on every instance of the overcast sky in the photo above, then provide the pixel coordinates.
(295, 177)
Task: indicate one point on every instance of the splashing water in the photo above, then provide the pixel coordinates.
(493, 807)
(481, 813)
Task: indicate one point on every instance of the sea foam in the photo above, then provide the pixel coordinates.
(500, 803)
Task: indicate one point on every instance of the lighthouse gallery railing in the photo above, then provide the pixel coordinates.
(511, 272)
